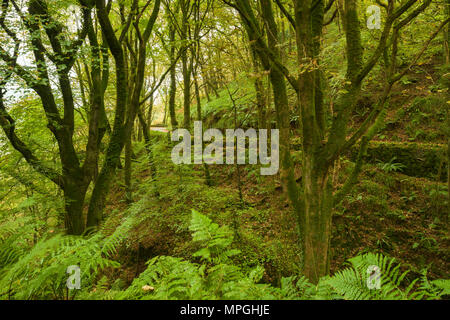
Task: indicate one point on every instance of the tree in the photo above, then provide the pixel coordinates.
(75, 177)
(173, 72)
(322, 144)
(122, 120)
(136, 83)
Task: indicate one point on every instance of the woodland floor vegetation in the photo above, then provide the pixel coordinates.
(90, 92)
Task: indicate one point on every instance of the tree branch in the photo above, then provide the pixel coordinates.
(8, 125)
(286, 13)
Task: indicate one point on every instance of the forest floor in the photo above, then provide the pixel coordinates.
(387, 212)
(404, 216)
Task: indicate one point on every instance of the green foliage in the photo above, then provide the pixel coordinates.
(215, 240)
(220, 112)
(175, 278)
(391, 166)
(16, 235)
(419, 159)
(435, 289)
(41, 272)
(9, 253)
(352, 283)
(219, 261)
(166, 278)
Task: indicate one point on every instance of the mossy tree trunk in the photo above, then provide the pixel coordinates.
(259, 89)
(447, 35)
(173, 79)
(322, 145)
(118, 135)
(123, 120)
(75, 177)
(186, 61)
(447, 61)
(137, 76)
(316, 212)
(277, 80)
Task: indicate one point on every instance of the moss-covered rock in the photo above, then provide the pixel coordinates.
(421, 159)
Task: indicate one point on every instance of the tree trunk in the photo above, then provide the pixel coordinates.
(173, 80)
(74, 195)
(118, 135)
(127, 170)
(150, 113)
(447, 61)
(279, 91)
(187, 65)
(316, 227)
(197, 97)
(259, 89)
(146, 132)
(447, 36)
(316, 196)
(186, 92)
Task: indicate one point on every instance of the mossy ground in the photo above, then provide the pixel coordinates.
(394, 209)
(387, 212)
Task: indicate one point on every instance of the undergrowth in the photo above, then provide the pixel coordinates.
(211, 273)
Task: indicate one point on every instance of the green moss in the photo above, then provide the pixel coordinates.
(420, 159)
(374, 188)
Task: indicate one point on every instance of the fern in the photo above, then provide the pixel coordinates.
(41, 273)
(433, 290)
(9, 252)
(174, 278)
(352, 283)
(16, 233)
(215, 240)
(219, 278)
(167, 278)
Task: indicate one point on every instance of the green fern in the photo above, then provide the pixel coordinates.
(433, 290)
(167, 278)
(214, 239)
(174, 278)
(219, 278)
(41, 273)
(352, 283)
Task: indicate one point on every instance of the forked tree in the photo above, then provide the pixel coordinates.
(324, 142)
(51, 48)
(126, 106)
(53, 56)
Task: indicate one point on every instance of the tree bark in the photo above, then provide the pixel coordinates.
(186, 64)
(173, 80)
(118, 135)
